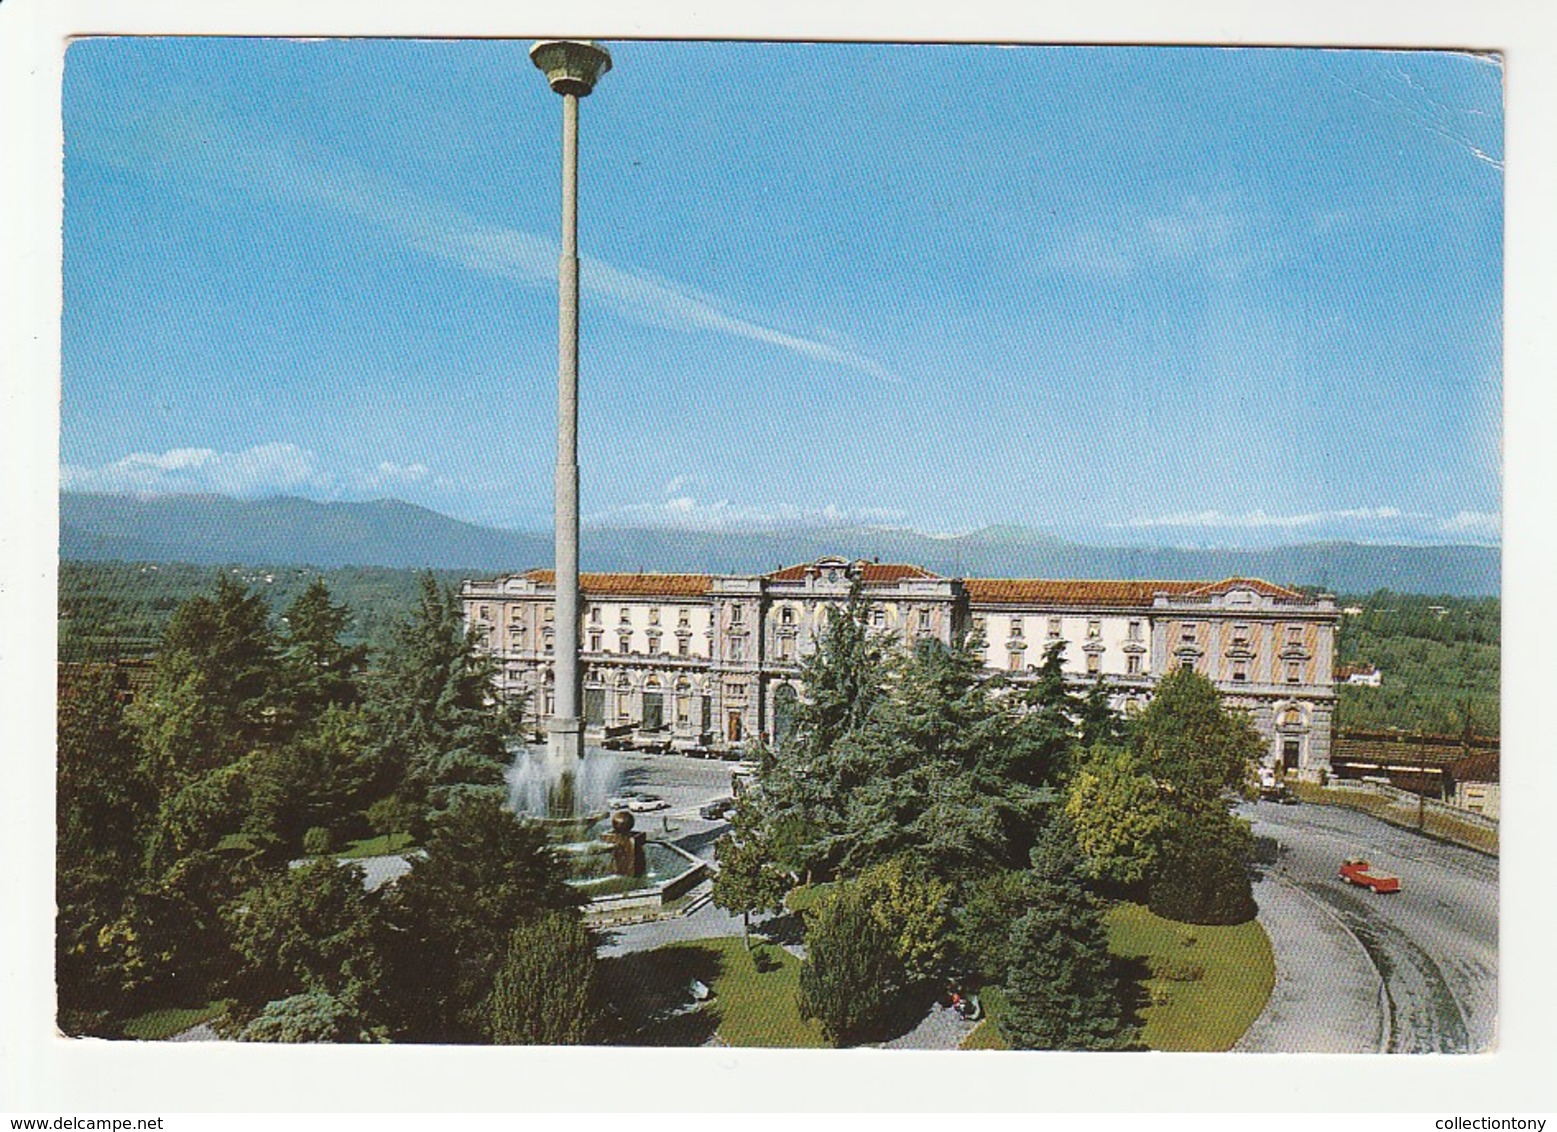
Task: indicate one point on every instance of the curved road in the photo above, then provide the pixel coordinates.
(1434, 943)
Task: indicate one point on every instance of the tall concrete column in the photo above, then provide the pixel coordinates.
(571, 67)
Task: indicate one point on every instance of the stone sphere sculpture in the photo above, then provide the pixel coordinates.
(622, 822)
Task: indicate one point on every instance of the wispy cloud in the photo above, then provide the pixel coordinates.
(1257, 519)
(200, 139)
(1216, 235)
(263, 469)
(684, 512)
(1475, 524)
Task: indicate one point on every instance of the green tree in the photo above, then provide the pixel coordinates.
(981, 932)
(312, 1016)
(1099, 723)
(211, 694)
(545, 991)
(749, 878)
(311, 928)
(320, 671)
(805, 784)
(1045, 732)
(1203, 876)
(431, 707)
(851, 969)
(1062, 991)
(1193, 746)
(450, 919)
(102, 808)
(911, 909)
(1118, 815)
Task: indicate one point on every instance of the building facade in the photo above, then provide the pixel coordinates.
(707, 662)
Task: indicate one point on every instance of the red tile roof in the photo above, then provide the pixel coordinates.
(631, 585)
(874, 573)
(1263, 588)
(1045, 592)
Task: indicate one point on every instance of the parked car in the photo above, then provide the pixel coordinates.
(1357, 870)
(647, 804)
(717, 809)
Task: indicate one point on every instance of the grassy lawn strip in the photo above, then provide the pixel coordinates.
(987, 1035)
(381, 846)
(1204, 995)
(1208, 983)
(748, 1008)
(802, 897)
(1386, 809)
(159, 1025)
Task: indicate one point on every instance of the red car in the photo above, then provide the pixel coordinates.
(1356, 870)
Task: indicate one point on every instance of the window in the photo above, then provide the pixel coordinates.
(924, 620)
(787, 615)
(626, 617)
(878, 618)
(737, 648)
(1187, 665)
(485, 613)
(1294, 673)
(654, 643)
(594, 615)
(1094, 629)
(1240, 634)
(1016, 626)
(624, 644)
(737, 614)
(516, 614)
(1187, 633)
(1094, 663)
(683, 618)
(978, 625)
(549, 613)
(681, 647)
(546, 647)
(1016, 660)
(1054, 628)
(654, 615)
(1133, 664)
(1240, 671)
(735, 691)
(594, 642)
(1135, 630)
(786, 649)
(1294, 634)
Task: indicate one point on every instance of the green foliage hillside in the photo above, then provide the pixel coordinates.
(1440, 659)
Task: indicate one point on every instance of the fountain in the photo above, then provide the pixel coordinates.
(616, 866)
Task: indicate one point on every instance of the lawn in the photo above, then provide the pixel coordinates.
(159, 1025)
(1207, 983)
(987, 1035)
(381, 846)
(803, 897)
(748, 1008)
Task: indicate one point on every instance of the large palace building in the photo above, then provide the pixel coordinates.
(701, 662)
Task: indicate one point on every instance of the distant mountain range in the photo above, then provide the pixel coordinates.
(210, 529)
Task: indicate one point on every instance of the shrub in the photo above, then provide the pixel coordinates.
(544, 994)
(851, 969)
(1201, 876)
(317, 841)
(391, 815)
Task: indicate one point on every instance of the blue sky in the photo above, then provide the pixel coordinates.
(1152, 295)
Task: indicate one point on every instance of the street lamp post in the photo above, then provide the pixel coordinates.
(571, 68)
